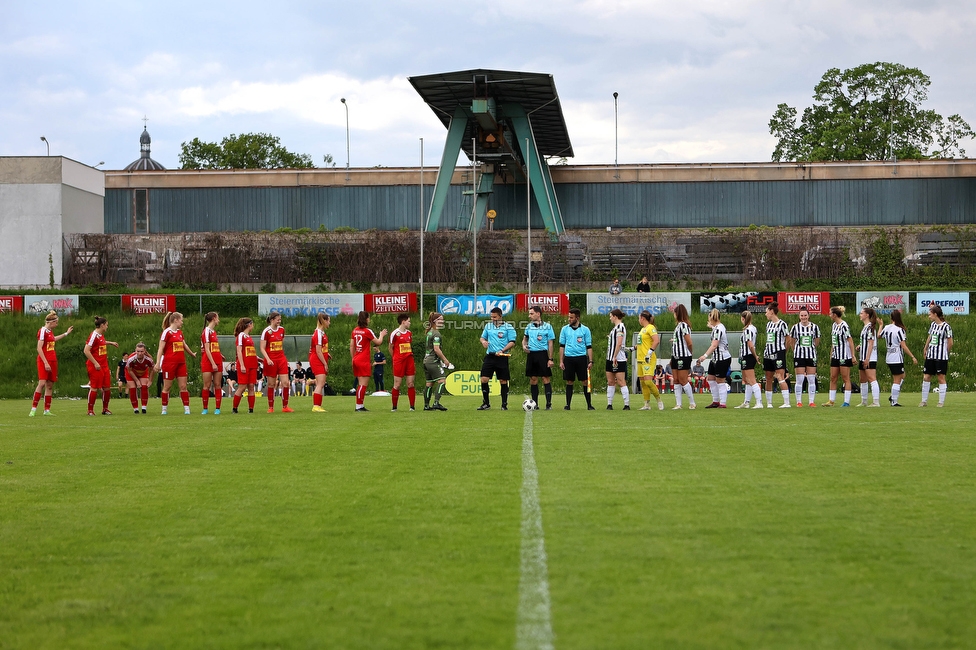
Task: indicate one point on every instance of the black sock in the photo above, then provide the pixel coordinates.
(427, 392)
(548, 394)
(484, 393)
(534, 389)
(569, 394)
(586, 394)
(438, 393)
(504, 394)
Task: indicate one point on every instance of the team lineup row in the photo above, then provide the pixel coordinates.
(498, 338)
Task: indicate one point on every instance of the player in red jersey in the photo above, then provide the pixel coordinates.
(403, 363)
(138, 376)
(99, 373)
(275, 361)
(318, 359)
(360, 349)
(211, 363)
(247, 363)
(171, 359)
(47, 362)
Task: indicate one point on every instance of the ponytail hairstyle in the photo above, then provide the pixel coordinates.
(167, 318)
(273, 315)
(242, 325)
(51, 317)
(322, 319)
(937, 310)
(746, 318)
(433, 318)
(211, 315)
(873, 319)
(773, 308)
(681, 314)
(99, 321)
(838, 310)
(896, 319)
(363, 319)
(714, 317)
(648, 316)
(616, 313)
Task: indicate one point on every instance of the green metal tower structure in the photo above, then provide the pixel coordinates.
(500, 119)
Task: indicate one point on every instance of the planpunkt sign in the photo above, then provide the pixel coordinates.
(390, 303)
(551, 303)
(149, 304)
(633, 304)
(467, 305)
(883, 302)
(310, 304)
(11, 304)
(40, 305)
(816, 302)
(952, 303)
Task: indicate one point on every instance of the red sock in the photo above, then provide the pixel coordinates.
(360, 395)
(164, 398)
(92, 396)
(316, 399)
(106, 396)
(412, 395)
(217, 395)
(206, 398)
(237, 401)
(185, 396)
(250, 401)
(396, 396)
(47, 402)
(271, 392)
(144, 394)
(133, 399)
(284, 395)
(37, 398)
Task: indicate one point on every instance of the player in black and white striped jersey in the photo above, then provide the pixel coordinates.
(721, 361)
(747, 359)
(938, 345)
(617, 360)
(894, 337)
(868, 368)
(774, 356)
(841, 355)
(681, 358)
(804, 338)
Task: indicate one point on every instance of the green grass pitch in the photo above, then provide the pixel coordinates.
(806, 528)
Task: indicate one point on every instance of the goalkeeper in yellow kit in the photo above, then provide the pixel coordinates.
(648, 340)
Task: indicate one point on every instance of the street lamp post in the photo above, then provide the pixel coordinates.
(344, 103)
(44, 140)
(616, 163)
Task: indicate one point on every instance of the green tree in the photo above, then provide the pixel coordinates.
(870, 112)
(245, 151)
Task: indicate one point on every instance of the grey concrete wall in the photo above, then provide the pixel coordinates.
(81, 211)
(30, 230)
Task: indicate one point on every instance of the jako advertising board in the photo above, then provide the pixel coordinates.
(951, 303)
(149, 304)
(550, 303)
(466, 305)
(40, 305)
(816, 302)
(734, 303)
(310, 304)
(11, 304)
(634, 303)
(883, 302)
(390, 303)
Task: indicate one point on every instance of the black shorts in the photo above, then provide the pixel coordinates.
(720, 369)
(537, 364)
(841, 363)
(494, 365)
(749, 362)
(621, 367)
(681, 363)
(896, 368)
(871, 365)
(936, 367)
(576, 368)
(804, 362)
(775, 363)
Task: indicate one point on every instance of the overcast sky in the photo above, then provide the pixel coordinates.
(698, 81)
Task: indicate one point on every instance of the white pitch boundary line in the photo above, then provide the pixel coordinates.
(534, 622)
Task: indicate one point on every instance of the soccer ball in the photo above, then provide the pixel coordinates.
(529, 405)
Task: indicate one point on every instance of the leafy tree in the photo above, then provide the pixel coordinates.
(870, 112)
(245, 151)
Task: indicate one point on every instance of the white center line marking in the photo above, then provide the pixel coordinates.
(534, 623)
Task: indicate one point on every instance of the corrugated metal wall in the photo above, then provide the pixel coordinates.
(584, 205)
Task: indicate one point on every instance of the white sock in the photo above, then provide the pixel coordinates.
(677, 395)
(847, 397)
(895, 391)
(786, 395)
(832, 395)
(876, 391)
(690, 393)
(864, 393)
(723, 393)
(626, 395)
(610, 391)
(769, 397)
(799, 388)
(812, 387)
(942, 392)
(714, 388)
(926, 387)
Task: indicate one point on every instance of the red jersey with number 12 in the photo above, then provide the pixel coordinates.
(362, 342)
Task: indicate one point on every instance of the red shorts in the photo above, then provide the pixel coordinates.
(316, 366)
(403, 367)
(174, 371)
(136, 378)
(361, 368)
(205, 363)
(247, 376)
(99, 378)
(278, 366)
(43, 374)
